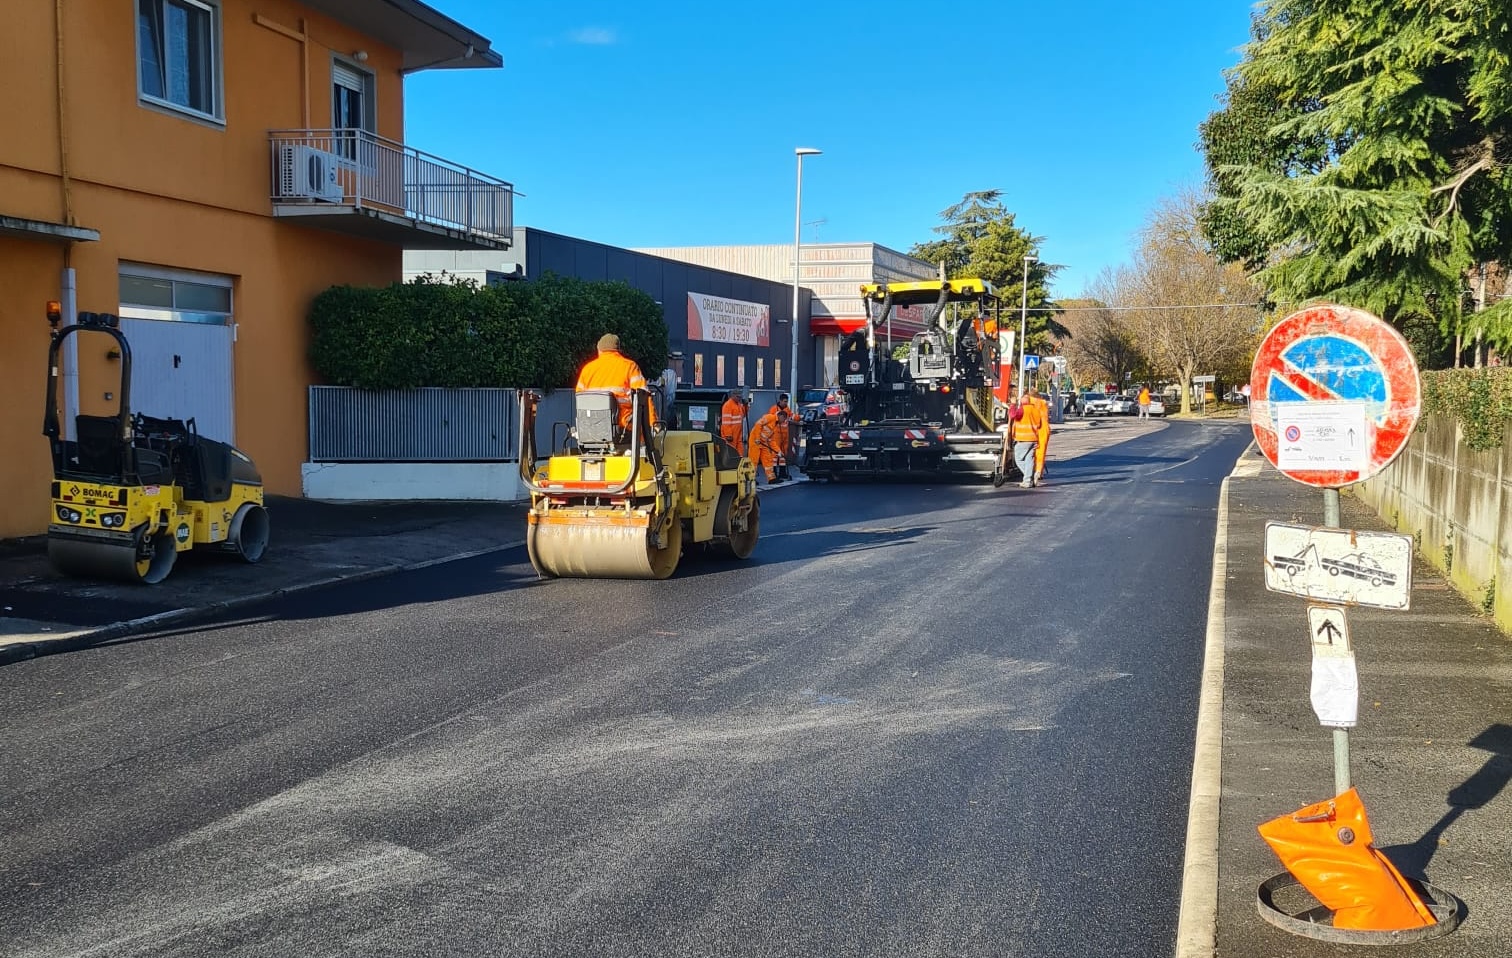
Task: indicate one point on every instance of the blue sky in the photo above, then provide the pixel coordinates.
(673, 123)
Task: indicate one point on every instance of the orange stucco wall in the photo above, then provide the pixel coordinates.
(170, 191)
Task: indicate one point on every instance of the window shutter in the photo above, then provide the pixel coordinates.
(347, 78)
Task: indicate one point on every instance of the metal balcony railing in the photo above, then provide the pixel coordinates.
(361, 170)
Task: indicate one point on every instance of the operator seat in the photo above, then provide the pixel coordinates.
(596, 416)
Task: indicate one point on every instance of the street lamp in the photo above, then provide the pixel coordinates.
(1024, 324)
(800, 152)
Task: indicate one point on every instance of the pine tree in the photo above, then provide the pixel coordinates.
(1379, 179)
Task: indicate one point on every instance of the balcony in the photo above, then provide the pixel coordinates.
(360, 184)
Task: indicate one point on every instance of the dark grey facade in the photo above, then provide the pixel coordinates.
(698, 363)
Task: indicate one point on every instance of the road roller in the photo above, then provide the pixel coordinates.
(130, 492)
(624, 502)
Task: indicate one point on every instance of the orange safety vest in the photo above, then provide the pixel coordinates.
(767, 434)
(620, 375)
(732, 422)
(1027, 428)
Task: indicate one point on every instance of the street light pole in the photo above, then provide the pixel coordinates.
(1024, 324)
(800, 152)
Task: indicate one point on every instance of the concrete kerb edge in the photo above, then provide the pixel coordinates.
(21, 651)
(1197, 926)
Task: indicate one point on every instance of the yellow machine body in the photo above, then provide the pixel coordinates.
(130, 492)
(630, 513)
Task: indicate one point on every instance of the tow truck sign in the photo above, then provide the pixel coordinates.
(1334, 395)
(1339, 565)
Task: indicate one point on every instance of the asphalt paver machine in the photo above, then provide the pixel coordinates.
(930, 414)
(618, 502)
(130, 492)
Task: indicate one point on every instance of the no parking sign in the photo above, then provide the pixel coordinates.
(1334, 395)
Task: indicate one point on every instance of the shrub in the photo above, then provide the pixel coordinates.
(430, 332)
(1480, 399)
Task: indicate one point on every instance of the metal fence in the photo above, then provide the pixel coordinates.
(413, 425)
(356, 168)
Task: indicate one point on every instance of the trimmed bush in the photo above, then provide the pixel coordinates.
(433, 333)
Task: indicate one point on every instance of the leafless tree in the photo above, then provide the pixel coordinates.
(1183, 318)
(1102, 341)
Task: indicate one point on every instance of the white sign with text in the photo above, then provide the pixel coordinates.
(715, 319)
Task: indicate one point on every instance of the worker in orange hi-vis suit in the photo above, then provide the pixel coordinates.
(618, 373)
(732, 421)
(784, 436)
(1042, 443)
(1026, 429)
(765, 438)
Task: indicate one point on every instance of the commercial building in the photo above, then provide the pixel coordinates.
(726, 329)
(833, 273)
(205, 168)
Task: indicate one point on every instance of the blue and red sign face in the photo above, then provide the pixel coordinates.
(1334, 395)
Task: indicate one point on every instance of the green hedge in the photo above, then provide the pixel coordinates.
(433, 333)
(1480, 399)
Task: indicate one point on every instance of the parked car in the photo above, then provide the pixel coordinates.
(1095, 404)
(1157, 406)
(817, 405)
(1122, 406)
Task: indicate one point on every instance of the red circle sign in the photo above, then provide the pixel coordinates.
(1334, 395)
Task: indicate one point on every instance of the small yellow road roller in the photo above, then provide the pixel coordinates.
(626, 503)
(130, 492)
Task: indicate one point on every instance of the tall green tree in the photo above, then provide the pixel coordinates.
(1359, 157)
(978, 237)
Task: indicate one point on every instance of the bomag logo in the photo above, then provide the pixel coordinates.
(182, 533)
(99, 493)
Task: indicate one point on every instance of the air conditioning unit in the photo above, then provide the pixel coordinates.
(308, 173)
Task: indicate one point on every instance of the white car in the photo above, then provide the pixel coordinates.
(1095, 404)
(1122, 406)
(1157, 406)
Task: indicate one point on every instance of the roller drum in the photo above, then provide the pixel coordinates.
(590, 546)
(127, 560)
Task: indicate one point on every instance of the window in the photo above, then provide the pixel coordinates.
(175, 295)
(178, 55)
(351, 110)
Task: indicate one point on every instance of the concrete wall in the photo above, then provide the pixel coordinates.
(1457, 502)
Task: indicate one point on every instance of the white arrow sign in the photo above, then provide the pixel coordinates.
(1339, 565)
(1335, 692)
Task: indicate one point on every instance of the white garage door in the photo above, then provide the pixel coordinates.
(180, 329)
(182, 371)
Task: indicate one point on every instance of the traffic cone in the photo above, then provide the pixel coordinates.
(1328, 848)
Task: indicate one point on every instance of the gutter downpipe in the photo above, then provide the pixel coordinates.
(68, 299)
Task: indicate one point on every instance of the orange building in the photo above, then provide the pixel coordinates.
(204, 168)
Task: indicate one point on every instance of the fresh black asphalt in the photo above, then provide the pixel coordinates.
(923, 720)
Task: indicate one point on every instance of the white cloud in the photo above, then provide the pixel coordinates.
(594, 36)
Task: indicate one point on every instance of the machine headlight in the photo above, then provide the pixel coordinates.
(68, 515)
(113, 520)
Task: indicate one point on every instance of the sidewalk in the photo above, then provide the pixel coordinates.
(313, 544)
(1431, 757)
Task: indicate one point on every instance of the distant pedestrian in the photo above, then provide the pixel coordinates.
(1144, 402)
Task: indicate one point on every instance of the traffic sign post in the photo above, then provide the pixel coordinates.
(1334, 395)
